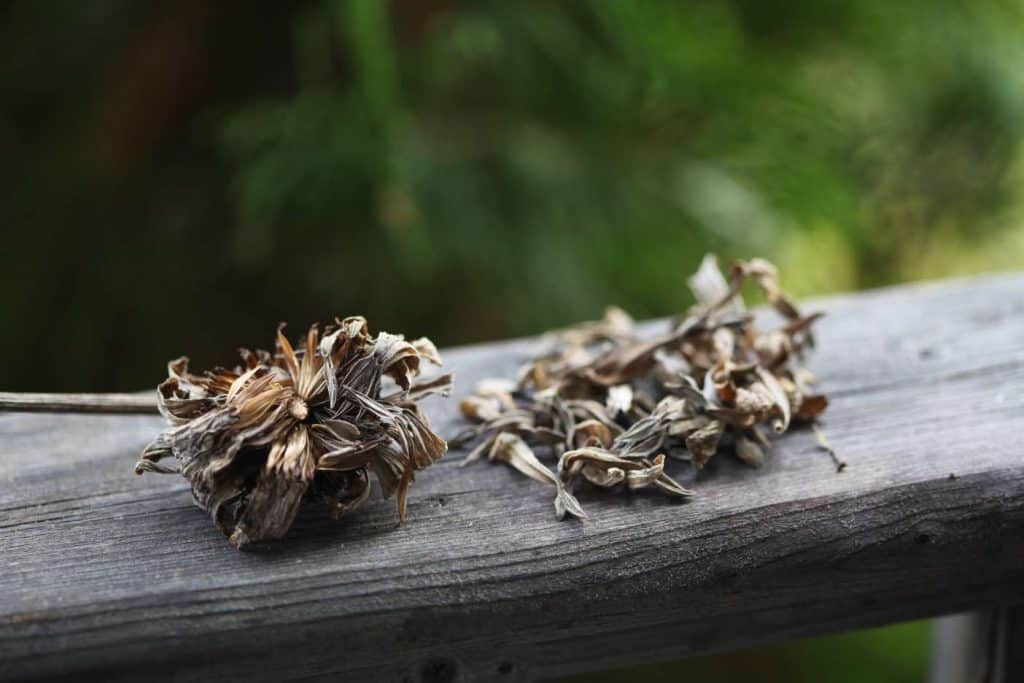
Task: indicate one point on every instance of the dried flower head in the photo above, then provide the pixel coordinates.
(609, 406)
(302, 424)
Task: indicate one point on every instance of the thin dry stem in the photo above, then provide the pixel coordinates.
(141, 404)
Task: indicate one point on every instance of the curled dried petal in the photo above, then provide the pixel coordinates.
(779, 399)
(397, 357)
(592, 433)
(512, 450)
(426, 350)
(709, 286)
(606, 469)
(703, 443)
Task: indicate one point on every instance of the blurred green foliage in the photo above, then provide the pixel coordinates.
(894, 654)
(180, 176)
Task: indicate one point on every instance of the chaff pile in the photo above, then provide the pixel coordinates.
(610, 407)
(299, 425)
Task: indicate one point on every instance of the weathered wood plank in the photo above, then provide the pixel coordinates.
(107, 572)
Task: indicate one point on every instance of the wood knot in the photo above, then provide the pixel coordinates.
(440, 670)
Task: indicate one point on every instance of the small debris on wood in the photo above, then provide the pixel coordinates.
(824, 445)
(608, 407)
(305, 424)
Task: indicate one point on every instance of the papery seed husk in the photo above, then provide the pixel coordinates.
(306, 423)
(713, 378)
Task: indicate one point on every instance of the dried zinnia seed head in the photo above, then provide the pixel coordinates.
(608, 406)
(306, 423)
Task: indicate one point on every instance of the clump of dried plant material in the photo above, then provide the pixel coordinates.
(609, 406)
(305, 424)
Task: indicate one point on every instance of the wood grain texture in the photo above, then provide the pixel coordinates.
(108, 573)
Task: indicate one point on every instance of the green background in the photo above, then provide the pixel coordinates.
(180, 176)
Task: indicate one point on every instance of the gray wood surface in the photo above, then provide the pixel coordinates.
(111, 574)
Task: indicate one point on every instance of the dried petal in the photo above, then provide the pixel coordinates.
(778, 396)
(749, 452)
(592, 433)
(512, 450)
(397, 357)
(811, 407)
(620, 399)
(703, 443)
(606, 469)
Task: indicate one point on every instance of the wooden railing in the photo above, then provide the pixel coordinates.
(109, 574)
